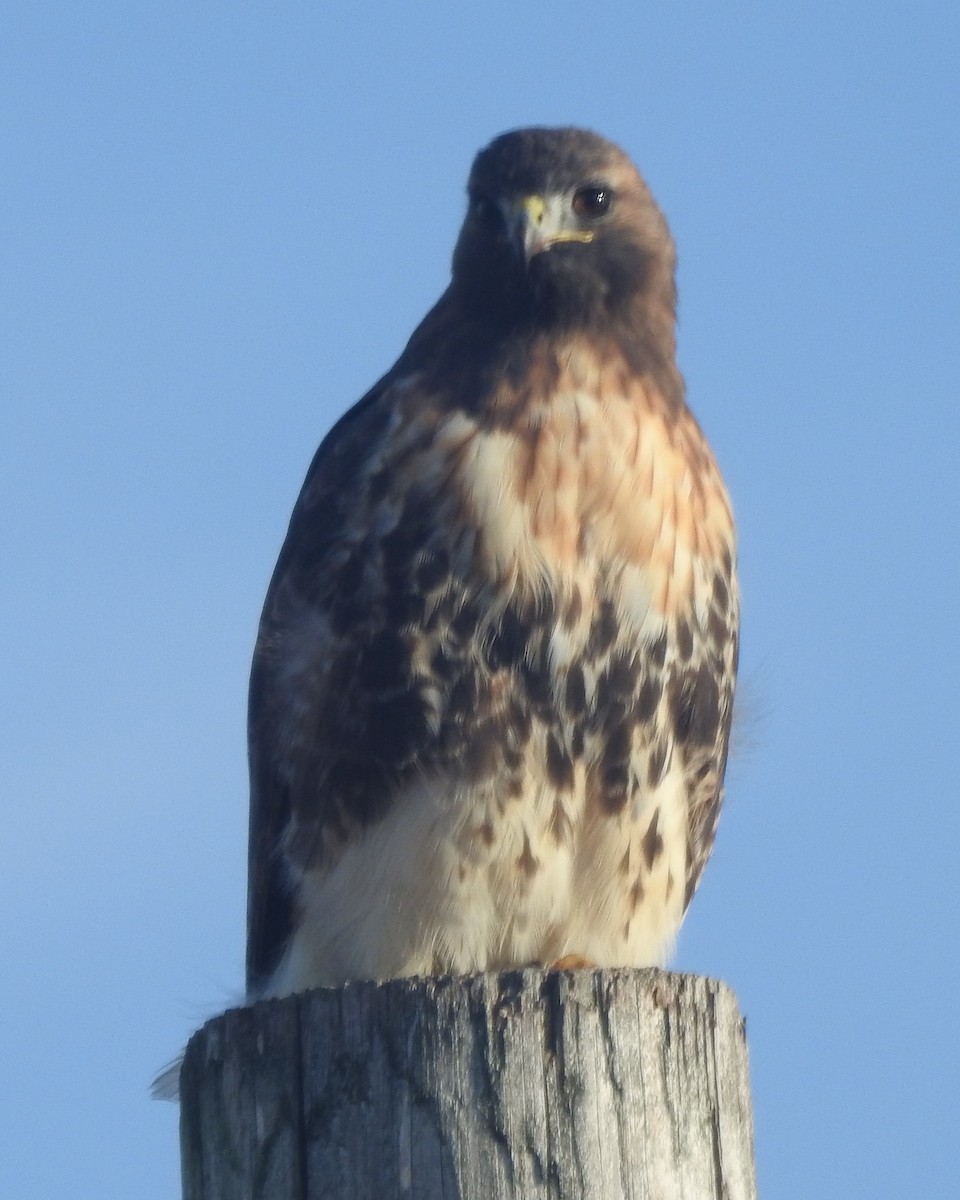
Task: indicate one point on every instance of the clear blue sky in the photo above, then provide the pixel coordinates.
(218, 225)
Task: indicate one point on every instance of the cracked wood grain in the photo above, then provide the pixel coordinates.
(528, 1085)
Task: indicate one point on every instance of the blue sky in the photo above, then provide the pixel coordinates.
(218, 225)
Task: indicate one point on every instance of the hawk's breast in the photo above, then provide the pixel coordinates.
(552, 610)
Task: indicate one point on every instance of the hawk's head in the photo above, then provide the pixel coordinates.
(560, 230)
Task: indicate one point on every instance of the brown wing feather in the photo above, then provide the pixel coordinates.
(341, 700)
(701, 676)
(306, 576)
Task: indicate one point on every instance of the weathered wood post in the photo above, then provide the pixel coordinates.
(519, 1086)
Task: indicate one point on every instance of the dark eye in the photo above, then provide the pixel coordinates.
(592, 201)
(485, 210)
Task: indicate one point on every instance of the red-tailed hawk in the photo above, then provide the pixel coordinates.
(492, 688)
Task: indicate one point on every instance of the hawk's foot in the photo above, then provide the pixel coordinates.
(572, 962)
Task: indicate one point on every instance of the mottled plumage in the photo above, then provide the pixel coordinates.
(492, 689)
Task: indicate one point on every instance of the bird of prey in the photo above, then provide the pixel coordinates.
(491, 694)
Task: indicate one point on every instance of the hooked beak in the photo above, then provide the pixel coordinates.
(539, 222)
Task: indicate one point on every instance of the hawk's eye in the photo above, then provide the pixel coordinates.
(592, 201)
(485, 210)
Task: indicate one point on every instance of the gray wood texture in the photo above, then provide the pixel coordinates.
(528, 1084)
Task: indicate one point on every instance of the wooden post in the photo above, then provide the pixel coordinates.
(577, 1085)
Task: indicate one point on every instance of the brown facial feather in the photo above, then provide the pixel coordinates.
(511, 568)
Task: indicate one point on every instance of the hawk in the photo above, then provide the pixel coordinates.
(491, 694)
